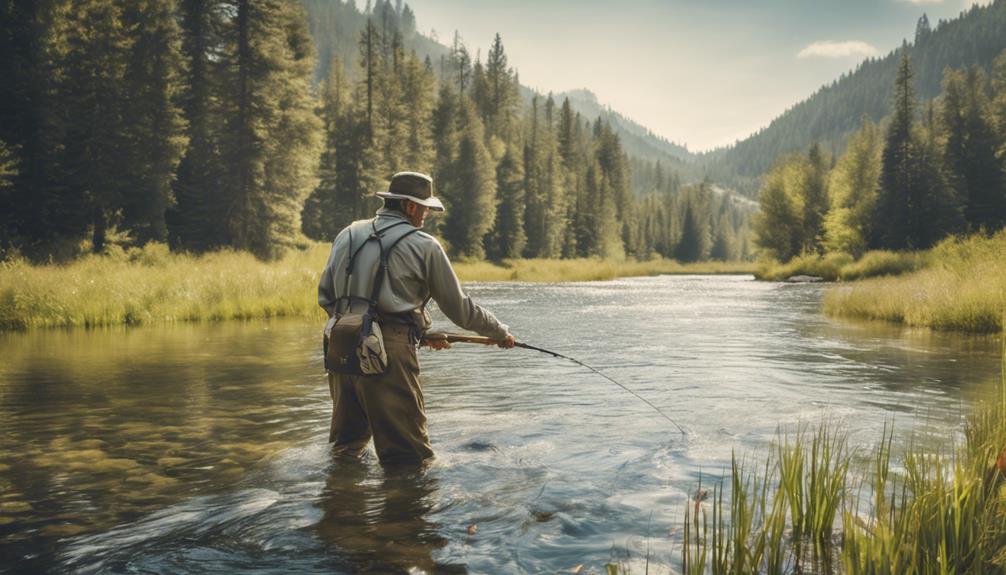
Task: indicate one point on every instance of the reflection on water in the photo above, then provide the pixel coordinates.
(379, 521)
(202, 447)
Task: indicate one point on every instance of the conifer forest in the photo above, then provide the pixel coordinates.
(261, 126)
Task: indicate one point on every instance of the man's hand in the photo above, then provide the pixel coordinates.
(508, 342)
(437, 343)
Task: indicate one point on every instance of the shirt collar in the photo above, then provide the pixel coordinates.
(386, 213)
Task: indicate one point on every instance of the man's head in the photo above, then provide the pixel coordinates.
(415, 213)
(415, 188)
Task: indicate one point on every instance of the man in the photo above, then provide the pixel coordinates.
(389, 407)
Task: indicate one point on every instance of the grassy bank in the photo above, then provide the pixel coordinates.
(575, 270)
(817, 506)
(842, 267)
(962, 288)
(152, 285)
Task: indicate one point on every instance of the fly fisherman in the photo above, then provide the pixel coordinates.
(389, 406)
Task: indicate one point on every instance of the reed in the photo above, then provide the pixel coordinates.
(940, 511)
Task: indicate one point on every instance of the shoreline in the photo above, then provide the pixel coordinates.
(151, 285)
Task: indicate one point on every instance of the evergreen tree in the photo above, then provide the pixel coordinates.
(39, 208)
(973, 168)
(93, 98)
(152, 121)
(272, 139)
(691, 246)
(471, 190)
(894, 218)
(418, 102)
(815, 200)
(507, 238)
(324, 209)
(194, 222)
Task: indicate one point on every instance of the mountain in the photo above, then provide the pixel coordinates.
(836, 110)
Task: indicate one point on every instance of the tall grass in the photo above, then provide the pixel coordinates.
(944, 512)
(588, 269)
(151, 285)
(842, 267)
(963, 288)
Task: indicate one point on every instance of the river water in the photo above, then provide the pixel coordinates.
(195, 448)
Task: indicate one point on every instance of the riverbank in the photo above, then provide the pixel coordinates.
(153, 285)
(818, 504)
(962, 287)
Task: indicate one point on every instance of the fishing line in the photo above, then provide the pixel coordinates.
(452, 338)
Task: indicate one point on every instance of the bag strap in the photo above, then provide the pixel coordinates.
(382, 271)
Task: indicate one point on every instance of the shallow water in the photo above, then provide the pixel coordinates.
(196, 448)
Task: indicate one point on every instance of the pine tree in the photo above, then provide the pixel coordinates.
(471, 190)
(273, 138)
(815, 200)
(152, 122)
(507, 238)
(975, 172)
(892, 226)
(194, 222)
(324, 209)
(93, 97)
(39, 208)
(691, 246)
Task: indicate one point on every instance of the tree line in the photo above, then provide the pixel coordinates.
(199, 123)
(929, 170)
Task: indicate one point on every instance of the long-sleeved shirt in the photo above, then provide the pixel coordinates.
(418, 269)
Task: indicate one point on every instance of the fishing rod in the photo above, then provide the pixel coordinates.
(459, 338)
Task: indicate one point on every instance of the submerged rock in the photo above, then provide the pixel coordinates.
(804, 279)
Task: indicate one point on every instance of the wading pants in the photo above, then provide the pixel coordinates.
(388, 407)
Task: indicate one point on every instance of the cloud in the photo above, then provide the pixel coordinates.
(837, 50)
(924, 1)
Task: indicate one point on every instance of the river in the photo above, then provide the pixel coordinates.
(202, 447)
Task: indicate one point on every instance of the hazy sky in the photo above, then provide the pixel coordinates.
(700, 72)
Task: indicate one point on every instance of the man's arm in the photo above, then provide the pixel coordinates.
(456, 305)
(326, 285)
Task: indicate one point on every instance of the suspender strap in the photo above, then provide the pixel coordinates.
(382, 270)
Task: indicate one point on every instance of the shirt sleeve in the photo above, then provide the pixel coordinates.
(456, 305)
(326, 285)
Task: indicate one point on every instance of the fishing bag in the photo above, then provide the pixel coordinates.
(353, 342)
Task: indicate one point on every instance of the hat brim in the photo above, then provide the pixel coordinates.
(433, 202)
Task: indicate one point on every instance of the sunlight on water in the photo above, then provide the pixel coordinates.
(202, 447)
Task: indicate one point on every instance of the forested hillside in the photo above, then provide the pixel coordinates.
(522, 174)
(834, 112)
(930, 170)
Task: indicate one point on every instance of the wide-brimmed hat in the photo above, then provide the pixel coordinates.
(414, 187)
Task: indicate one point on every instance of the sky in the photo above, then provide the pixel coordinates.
(704, 73)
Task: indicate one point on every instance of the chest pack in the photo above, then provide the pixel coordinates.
(353, 342)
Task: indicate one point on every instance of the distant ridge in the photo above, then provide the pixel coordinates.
(836, 110)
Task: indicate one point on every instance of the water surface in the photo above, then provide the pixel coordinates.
(193, 448)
